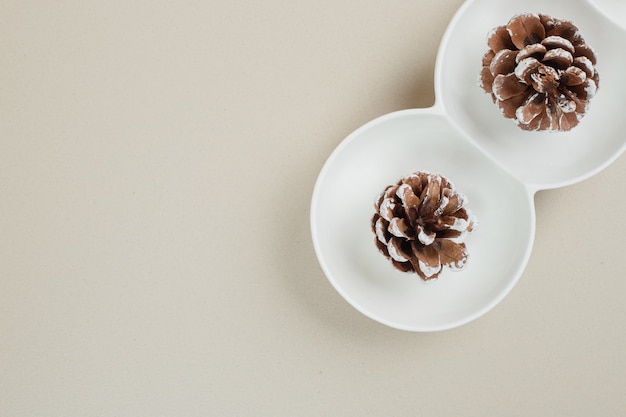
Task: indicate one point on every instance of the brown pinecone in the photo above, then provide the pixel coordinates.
(540, 72)
(420, 225)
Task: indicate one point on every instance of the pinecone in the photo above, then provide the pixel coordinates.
(421, 223)
(540, 72)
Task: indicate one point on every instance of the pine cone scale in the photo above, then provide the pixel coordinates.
(500, 39)
(428, 260)
(507, 86)
(453, 253)
(503, 62)
(553, 42)
(526, 30)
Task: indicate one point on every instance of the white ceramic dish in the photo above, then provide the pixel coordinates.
(490, 160)
(543, 160)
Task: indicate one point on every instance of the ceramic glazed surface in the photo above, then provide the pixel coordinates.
(495, 164)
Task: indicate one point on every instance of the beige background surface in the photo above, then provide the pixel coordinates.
(157, 161)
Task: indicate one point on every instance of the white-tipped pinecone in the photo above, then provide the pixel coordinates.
(421, 223)
(540, 72)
